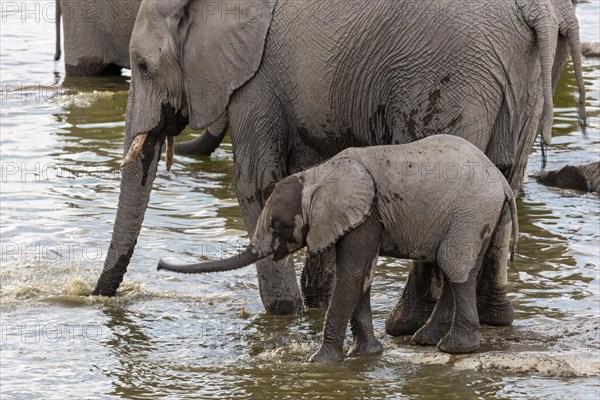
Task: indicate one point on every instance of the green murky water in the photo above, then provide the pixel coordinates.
(207, 336)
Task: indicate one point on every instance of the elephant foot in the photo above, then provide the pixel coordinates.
(498, 314)
(494, 308)
(460, 341)
(316, 300)
(278, 288)
(408, 316)
(284, 307)
(327, 355)
(363, 349)
(430, 334)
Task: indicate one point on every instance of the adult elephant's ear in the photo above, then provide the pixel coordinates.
(223, 49)
(337, 197)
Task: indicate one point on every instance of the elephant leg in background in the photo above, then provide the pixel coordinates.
(417, 301)
(493, 305)
(356, 257)
(207, 142)
(317, 279)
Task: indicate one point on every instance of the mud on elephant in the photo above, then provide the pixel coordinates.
(300, 80)
(365, 202)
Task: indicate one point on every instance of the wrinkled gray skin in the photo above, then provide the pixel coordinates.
(96, 36)
(301, 80)
(378, 200)
(579, 177)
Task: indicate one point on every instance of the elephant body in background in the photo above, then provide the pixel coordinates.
(367, 201)
(96, 35)
(299, 81)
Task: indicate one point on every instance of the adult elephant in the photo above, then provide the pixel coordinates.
(300, 80)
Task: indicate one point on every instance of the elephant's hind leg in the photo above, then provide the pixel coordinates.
(463, 336)
(440, 321)
(460, 262)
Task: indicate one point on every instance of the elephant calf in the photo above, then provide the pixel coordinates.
(438, 199)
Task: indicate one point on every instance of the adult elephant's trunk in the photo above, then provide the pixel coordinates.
(237, 261)
(137, 176)
(572, 33)
(547, 30)
(546, 39)
(136, 185)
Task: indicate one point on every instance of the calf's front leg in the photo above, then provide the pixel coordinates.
(356, 252)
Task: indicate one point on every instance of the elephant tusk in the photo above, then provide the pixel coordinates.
(135, 149)
(170, 147)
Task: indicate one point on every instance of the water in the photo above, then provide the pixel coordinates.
(207, 336)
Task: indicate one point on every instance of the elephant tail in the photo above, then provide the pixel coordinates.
(510, 199)
(57, 23)
(237, 261)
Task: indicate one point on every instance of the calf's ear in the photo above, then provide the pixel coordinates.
(337, 197)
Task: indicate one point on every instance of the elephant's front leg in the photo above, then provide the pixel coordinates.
(276, 280)
(364, 342)
(356, 252)
(317, 279)
(258, 138)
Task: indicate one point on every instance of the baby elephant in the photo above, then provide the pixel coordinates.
(438, 199)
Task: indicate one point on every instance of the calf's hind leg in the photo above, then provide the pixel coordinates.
(460, 261)
(463, 336)
(438, 325)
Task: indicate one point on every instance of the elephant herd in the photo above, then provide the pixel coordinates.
(297, 81)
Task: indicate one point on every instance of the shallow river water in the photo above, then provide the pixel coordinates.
(207, 336)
